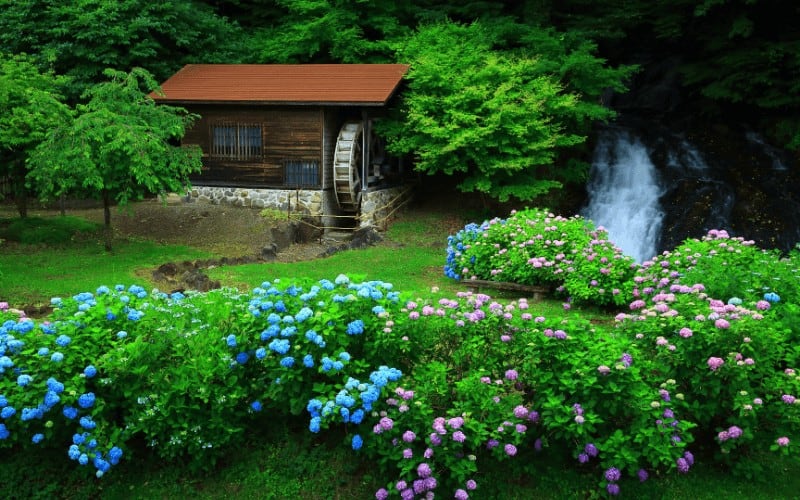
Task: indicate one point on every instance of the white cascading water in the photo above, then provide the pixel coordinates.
(624, 193)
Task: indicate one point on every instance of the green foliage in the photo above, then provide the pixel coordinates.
(497, 118)
(534, 247)
(120, 145)
(48, 231)
(30, 106)
(83, 38)
(349, 31)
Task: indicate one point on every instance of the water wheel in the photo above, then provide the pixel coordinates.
(347, 165)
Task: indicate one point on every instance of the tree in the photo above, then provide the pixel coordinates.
(82, 38)
(30, 105)
(120, 146)
(498, 104)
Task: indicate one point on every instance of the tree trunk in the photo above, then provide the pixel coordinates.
(107, 233)
(18, 188)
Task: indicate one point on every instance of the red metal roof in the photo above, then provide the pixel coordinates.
(362, 84)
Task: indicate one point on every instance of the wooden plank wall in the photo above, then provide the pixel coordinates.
(287, 134)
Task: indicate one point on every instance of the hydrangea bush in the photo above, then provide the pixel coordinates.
(186, 373)
(436, 391)
(534, 247)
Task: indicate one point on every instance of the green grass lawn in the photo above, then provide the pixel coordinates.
(284, 460)
(31, 274)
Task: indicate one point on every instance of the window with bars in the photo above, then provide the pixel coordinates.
(301, 173)
(236, 141)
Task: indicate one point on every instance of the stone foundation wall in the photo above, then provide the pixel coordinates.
(307, 202)
(376, 205)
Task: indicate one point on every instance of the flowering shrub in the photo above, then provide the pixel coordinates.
(731, 351)
(535, 247)
(502, 382)
(433, 391)
(188, 374)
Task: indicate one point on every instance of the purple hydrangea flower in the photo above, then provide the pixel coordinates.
(613, 474)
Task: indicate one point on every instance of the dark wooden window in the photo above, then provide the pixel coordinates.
(236, 141)
(301, 173)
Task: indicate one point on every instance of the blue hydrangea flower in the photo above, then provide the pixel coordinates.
(313, 407)
(90, 371)
(242, 358)
(134, 315)
(37, 438)
(357, 442)
(5, 362)
(270, 332)
(122, 334)
(110, 316)
(47, 328)
(344, 356)
(287, 362)
(231, 340)
(87, 423)
(44, 351)
(281, 346)
(70, 412)
(313, 425)
(772, 297)
(4, 432)
(256, 406)
(355, 327)
(114, 455)
(86, 400)
(308, 361)
(261, 353)
(357, 416)
(63, 340)
(78, 439)
(51, 399)
(344, 399)
(102, 290)
(7, 412)
(74, 452)
(303, 314)
(57, 357)
(31, 413)
(24, 380)
(83, 459)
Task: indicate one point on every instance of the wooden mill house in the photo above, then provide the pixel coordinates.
(291, 137)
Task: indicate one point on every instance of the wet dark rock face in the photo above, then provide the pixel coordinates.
(714, 174)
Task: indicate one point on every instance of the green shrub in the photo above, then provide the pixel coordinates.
(534, 247)
(48, 231)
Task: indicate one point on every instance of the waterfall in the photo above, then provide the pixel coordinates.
(624, 194)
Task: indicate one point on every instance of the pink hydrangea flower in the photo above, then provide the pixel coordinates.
(715, 363)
